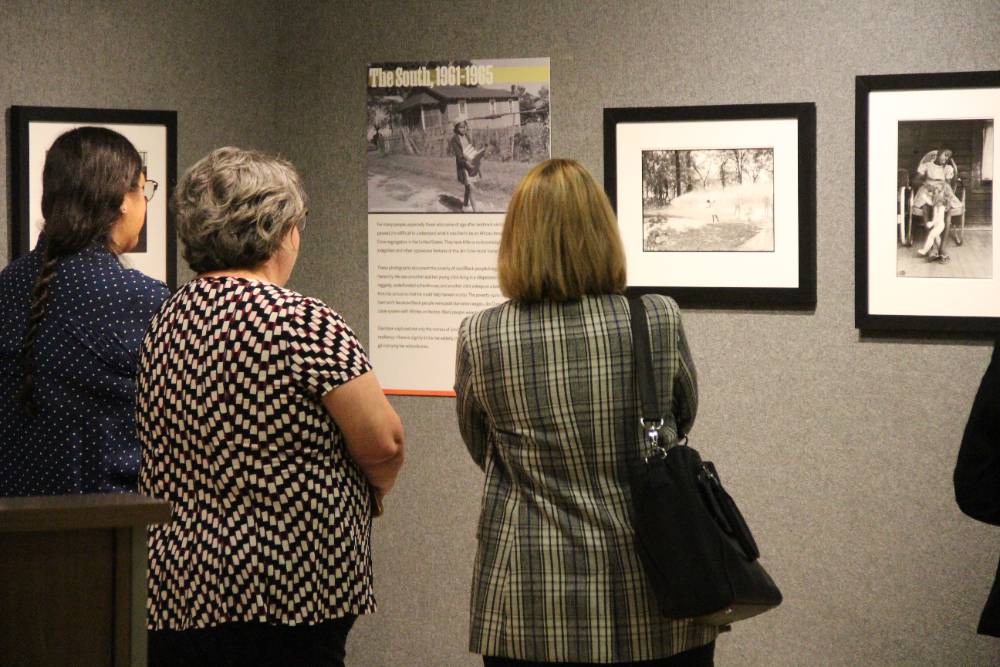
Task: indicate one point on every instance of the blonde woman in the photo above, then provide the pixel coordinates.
(547, 407)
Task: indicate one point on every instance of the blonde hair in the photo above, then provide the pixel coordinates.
(560, 238)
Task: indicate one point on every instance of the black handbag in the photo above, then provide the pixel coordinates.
(694, 545)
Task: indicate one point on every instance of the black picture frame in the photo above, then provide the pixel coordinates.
(32, 129)
(884, 297)
(732, 288)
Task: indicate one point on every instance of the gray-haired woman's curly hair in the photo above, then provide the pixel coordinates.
(234, 208)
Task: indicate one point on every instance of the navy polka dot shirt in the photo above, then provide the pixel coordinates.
(83, 438)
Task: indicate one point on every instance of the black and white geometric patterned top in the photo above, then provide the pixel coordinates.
(271, 518)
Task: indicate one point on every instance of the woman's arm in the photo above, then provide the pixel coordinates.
(471, 420)
(685, 406)
(977, 472)
(371, 428)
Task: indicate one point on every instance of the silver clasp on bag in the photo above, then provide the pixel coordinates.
(651, 429)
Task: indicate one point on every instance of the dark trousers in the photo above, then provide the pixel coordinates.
(252, 645)
(703, 656)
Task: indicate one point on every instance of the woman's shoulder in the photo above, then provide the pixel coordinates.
(487, 318)
(300, 304)
(21, 271)
(95, 276)
(143, 294)
(661, 303)
(16, 280)
(663, 313)
(310, 315)
(144, 287)
(294, 313)
(279, 302)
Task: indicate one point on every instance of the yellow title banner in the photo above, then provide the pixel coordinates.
(529, 74)
(456, 75)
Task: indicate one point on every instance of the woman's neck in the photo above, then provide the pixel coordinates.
(260, 274)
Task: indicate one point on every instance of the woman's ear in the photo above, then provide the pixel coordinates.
(293, 239)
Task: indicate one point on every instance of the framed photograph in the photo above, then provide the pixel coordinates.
(716, 204)
(153, 133)
(925, 243)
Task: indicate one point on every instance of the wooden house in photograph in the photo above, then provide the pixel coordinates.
(426, 118)
(434, 108)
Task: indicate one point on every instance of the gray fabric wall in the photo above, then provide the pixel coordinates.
(840, 449)
(216, 64)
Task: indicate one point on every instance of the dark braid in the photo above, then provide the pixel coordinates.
(39, 304)
(87, 173)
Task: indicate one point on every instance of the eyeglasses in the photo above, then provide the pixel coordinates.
(302, 222)
(149, 189)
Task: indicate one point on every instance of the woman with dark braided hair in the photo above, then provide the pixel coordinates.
(71, 320)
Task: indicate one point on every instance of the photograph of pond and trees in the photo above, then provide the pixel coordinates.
(713, 200)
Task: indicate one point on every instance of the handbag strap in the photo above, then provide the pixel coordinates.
(651, 417)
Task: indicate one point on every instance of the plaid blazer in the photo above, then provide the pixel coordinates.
(548, 407)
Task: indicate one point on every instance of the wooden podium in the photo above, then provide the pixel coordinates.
(72, 579)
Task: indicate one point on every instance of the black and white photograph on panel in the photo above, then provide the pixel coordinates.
(454, 136)
(711, 200)
(945, 199)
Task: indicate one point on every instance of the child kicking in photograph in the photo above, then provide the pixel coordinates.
(936, 224)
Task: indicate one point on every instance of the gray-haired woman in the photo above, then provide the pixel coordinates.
(263, 425)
